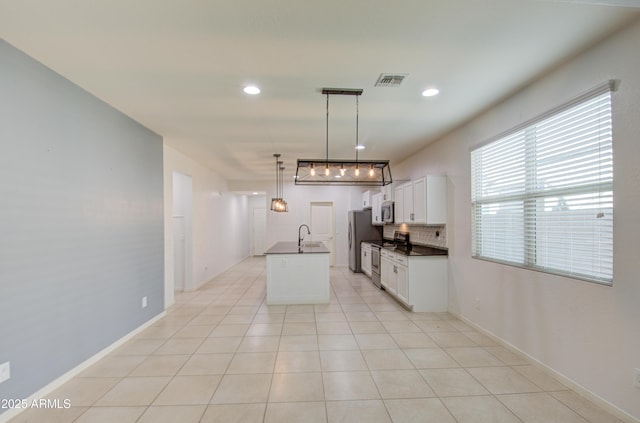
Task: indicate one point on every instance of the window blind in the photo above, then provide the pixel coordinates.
(542, 195)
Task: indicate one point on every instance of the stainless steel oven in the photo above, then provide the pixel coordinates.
(375, 265)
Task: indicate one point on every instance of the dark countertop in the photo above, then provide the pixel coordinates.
(292, 248)
(414, 250)
(419, 250)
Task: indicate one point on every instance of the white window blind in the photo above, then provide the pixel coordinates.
(542, 195)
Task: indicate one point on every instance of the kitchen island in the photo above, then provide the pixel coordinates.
(297, 275)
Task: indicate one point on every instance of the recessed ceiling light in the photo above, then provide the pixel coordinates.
(251, 89)
(360, 147)
(430, 92)
(255, 193)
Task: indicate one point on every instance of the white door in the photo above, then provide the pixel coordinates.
(259, 231)
(178, 253)
(182, 237)
(322, 229)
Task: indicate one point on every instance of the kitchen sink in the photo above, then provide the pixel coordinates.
(312, 244)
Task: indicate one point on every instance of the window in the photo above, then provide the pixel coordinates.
(542, 195)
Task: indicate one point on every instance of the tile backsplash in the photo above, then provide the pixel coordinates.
(423, 235)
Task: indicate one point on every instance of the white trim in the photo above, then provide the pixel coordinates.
(579, 389)
(57, 383)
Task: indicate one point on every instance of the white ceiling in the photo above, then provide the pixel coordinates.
(178, 67)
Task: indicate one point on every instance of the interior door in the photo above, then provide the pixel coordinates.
(322, 228)
(259, 231)
(178, 253)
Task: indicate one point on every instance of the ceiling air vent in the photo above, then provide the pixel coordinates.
(390, 79)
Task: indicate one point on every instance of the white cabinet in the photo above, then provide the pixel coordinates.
(422, 202)
(367, 199)
(407, 197)
(387, 192)
(419, 282)
(398, 213)
(402, 277)
(376, 209)
(365, 258)
(387, 271)
(430, 200)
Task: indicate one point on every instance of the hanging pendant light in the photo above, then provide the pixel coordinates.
(283, 204)
(345, 172)
(277, 203)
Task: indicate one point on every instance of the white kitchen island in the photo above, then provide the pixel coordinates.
(297, 275)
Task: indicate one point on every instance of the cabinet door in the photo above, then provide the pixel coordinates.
(387, 192)
(420, 201)
(399, 204)
(407, 192)
(436, 200)
(387, 274)
(366, 199)
(366, 259)
(376, 211)
(402, 283)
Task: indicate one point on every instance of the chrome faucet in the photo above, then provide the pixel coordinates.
(300, 236)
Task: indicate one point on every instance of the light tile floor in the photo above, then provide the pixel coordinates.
(222, 355)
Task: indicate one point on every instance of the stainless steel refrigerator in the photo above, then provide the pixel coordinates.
(360, 229)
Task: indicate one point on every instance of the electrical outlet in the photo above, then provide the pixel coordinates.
(144, 302)
(636, 378)
(5, 371)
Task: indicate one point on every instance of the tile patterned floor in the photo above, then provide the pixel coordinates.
(222, 355)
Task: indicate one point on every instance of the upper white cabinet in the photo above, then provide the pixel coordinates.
(407, 208)
(376, 209)
(387, 192)
(398, 213)
(422, 202)
(367, 199)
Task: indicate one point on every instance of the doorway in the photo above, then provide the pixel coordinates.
(322, 226)
(182, 233)
(259, 231)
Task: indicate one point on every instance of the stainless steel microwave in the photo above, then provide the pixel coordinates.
(387, 212)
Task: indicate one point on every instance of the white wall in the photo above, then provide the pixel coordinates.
(586, 332)
(284, 226)
(219, 223)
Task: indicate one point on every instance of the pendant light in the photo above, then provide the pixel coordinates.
(284, 207)
(343, 172)
(277, 203)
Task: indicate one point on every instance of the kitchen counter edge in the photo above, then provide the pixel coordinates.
(292, 248)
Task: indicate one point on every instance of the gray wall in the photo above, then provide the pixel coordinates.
(81, 224)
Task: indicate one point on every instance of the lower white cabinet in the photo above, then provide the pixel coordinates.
(388, 277)
(365, 258)
(419, 282)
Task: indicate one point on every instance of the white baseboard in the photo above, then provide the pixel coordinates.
(579, 389)
(43, 392)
